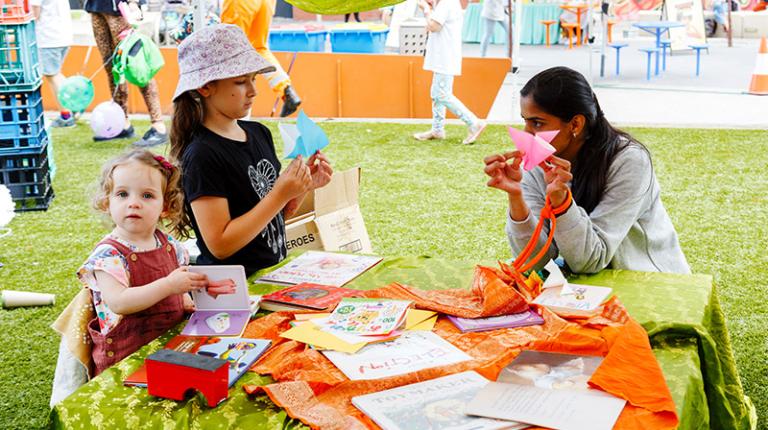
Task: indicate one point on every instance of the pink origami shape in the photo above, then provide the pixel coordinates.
(536, 147)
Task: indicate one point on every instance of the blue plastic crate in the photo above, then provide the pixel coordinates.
(358, 40)
(23, 144)
(27, 176)
(297, 40)
(19, 64)
(21, 115)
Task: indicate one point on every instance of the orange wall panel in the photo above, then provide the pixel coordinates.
(330, 85)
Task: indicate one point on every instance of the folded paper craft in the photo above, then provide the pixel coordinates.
(303, 138)
(536, 147)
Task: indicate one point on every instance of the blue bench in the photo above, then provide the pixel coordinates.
(698, 49)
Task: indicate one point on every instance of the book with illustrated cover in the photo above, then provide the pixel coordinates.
(240, 353)
(573, 299)
(224, 307)
(549, 390)
(306, 296)
(368, 316)
(521, 319)
(324, 268)
(436, 404)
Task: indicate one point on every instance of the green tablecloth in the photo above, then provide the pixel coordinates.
(680, 312)
(532, 32)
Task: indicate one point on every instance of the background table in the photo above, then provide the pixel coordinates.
(532, 33)
(680, 312)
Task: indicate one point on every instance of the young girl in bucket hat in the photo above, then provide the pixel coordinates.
(236, 198)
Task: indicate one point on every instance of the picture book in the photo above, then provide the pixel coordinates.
(434, 404)
(324, 268)
(551, 370)
(521, 319)
(368, 316)
(573, 299)
(545, 407)
(306, 296)
(224, 307)
(241, 353)
(412, 351)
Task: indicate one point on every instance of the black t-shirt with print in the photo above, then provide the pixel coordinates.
(243, 173)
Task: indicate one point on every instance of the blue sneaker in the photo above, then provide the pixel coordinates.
(151, 138)
(60, 122)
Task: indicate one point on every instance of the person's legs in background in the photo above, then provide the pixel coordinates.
(442, 96)
(488, 26)
(50, 65)
(438, 114)
(106, 44)
(357, 16)
(157, 133)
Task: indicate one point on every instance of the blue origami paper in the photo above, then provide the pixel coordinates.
(303, 138)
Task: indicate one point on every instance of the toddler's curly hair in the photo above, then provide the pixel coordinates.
(174, 216)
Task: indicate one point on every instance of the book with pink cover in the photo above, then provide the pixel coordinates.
(521, 319)
(306, 296)
(223, 310)
(318, 267)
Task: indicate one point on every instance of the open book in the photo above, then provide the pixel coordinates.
(224, 310)
(318, 267)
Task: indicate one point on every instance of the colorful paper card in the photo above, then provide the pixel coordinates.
(413, 351)
(307, 296)
(536, 147)
(418, 319)
(304, 138)
(368, 316)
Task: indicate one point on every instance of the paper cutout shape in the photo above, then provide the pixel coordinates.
(417, 319)
(536, 147)
(311, 334)
(225, 286)
(555, 278)
(303, 138)
(218, 322)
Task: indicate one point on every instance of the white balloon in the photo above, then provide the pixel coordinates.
(107, 120)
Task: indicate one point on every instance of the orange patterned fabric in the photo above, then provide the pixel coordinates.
(310, 388)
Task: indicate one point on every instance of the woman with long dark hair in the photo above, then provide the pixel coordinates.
(616, 218)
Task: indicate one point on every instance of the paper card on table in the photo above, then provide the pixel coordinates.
(307, 317)
(419, 318)
(304, 138)
(436, 404)
(559, 409)
(536, 147)
(573, 299)
(412, 351)
(326, 326)
(309, 333)
(368, 316)
(555, 278)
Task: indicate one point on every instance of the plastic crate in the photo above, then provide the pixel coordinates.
(27, 176)
(23, 144)
(21, 116)
(297, 40)
(19, 64)
(34, 203)
(358, 40)
(413, 37)
(14, 11)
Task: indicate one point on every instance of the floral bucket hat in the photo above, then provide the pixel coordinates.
(216, 52)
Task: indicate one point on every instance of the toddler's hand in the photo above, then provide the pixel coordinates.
(294, 181)
(189, 305)
(182, 280)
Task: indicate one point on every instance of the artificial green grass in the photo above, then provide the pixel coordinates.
(417, 198)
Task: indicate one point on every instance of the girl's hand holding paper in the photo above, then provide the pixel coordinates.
(320, 169)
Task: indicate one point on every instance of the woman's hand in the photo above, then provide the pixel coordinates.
(320, 169)
(557, 174)
(295, 180)
(504, 175)
(183, 281)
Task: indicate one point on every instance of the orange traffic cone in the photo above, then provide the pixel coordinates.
(759, 84)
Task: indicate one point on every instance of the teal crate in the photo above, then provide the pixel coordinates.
(361, 40)
(19, 63)
(297, 40)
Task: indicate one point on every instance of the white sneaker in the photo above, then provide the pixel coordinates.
(429, 135)
(474, 132)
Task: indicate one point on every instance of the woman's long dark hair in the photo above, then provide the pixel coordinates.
(565, 93)
(187, 120)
